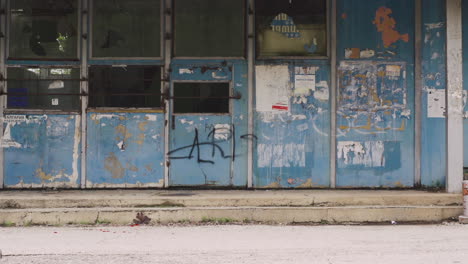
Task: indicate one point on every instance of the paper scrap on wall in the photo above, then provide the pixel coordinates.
(272, 88)
(436, 103)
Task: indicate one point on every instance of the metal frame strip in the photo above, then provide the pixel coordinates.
(333, 94)
(168, 35)
(250, 88)
(454, 97)
(84, 88)
(2, 87)
(418, 91)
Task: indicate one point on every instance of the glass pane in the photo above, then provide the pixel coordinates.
(291, 28)
(43, 29)
(123, 28)
(41, 88)
(132, 86)
(209, 28)
(201, 98)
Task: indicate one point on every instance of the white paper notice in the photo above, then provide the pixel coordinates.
(272, 88)
(436, 103)
(303, 84)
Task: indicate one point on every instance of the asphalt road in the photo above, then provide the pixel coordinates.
(236, 244)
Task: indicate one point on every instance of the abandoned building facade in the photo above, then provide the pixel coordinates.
(232, 93)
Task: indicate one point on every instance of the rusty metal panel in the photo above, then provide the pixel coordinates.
(42, 151)
(125, 150)
(375, 114)
(292, 125)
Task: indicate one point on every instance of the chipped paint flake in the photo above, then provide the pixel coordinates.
(151, 117)
(185, 71)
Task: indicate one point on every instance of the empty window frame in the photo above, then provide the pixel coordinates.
(291, 28)
(201, 97)
(124, 28)
(43, 88)
(43, 29)
(209, 28)
(125, 87)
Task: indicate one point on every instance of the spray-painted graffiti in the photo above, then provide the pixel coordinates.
(372, 97)
(218, 134)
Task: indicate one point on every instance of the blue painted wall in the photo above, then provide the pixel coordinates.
(125, 150)
(42, 151)
(433, 134)
(375, 115)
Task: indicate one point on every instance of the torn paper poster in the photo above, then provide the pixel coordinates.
(272, 88)
(305, 70)
(367, 53)
(222, 131)
(393, 71)
(6, 141)
(303, 84)
(436, 103)
(352, 53)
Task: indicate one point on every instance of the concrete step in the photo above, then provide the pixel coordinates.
(269, 215)
(191, 198)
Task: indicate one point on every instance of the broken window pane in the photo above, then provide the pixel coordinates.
(123, 28)
(291, 28)
(42, 88)
(201, 97)
(131, 86)
(43, 29)
(209, 28)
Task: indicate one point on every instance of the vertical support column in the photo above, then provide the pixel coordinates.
(250, 90)
(454, 97)
(168, 36)
(84, 87)
(2, 83)
(333, 94)
(418, 91)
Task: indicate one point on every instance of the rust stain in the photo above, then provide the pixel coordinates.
(122, 118)
(386, 25)
(141, 139)
(42, 175)
(142, 126)
(113, 165)
(121, 129)
(148, 167)
(132, 168)
(307, 184)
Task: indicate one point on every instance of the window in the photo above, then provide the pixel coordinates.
(43, 88)
(124, 28)
(130, 86)
(43, 29)
(291, 28)
(209, 28)
(201, 97)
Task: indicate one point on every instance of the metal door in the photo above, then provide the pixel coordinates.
(207, 123)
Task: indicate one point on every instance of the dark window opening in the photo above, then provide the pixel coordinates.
(43, 29)
(123, 28)
(291, 28)
(43, 88)
(209, 28)
(130, 86)
(201, 98)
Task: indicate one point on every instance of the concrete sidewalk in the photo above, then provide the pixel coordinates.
(268, 206)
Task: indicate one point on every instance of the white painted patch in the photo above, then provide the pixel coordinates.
(281, 156)
(435, 56)
(184, 121)
(367, 53)
(238, 84)
(434, 25)
(96, 117)
(298, 117)
(436, 103)
(56, 85)
(322, 93)
(302, 127)
(370, 153)
(218, 77)
(103, 125)
(222, 131)
(120, 146)
(272, 86)
(185, 71)
(151, 117)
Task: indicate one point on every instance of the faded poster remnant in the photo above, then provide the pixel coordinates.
(369, 154)
(436, 103)
(272, 88)
(281, 156)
